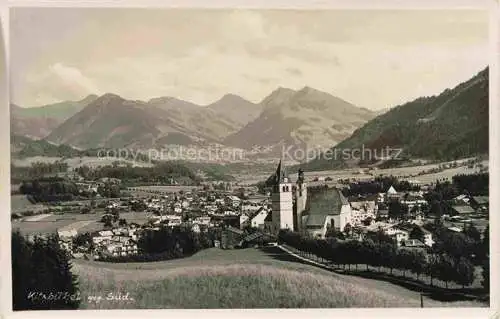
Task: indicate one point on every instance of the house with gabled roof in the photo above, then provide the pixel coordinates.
(257, 219)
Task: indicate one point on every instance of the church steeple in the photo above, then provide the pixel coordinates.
(282, 200)
(280, 176)
(300, 176)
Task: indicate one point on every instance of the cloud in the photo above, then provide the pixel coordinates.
(73, 79)
(57, 82)
(200, 55)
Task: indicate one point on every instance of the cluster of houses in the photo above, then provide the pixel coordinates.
(465, 207)
(117, 242)
(198, 211)
(120, 241)
(287, 207)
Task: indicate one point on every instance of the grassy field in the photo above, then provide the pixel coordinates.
(355, 173)
(52, 223)
(248, 278)
(81, 222)
(20, 203)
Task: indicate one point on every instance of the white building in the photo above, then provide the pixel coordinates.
(282, 202)
(257, 220)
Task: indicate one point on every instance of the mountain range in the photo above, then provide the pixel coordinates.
(453, 124)
(38, 122)
(450, 125)
(306, 117)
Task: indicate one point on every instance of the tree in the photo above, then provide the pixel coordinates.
(367, 221)
(122, 222)
(455, 245)
(41, 275)
(403, 260)
(445, 269)
(347, 229)
(418, 262)
(107, 220)
(436, 209)
(366, 252)
(484, 256)
(397, 210)
(432, 266)
(464, 274)
(486, 274)
(109, 190)
(138, 206)
(83, 239)
(472, 232)
(388, 255)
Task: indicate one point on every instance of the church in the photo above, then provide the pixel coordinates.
(290, 200)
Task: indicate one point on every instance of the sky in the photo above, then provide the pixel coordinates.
(373, 58)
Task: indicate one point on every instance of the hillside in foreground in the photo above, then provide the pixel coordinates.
(246, 278)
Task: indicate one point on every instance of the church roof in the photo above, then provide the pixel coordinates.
(326, 203)
(280, 173)
(391, 190)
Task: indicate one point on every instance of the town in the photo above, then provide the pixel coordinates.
(234, 216)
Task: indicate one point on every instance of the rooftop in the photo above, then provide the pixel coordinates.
(463, 209)
(325, 203)
(481, 200)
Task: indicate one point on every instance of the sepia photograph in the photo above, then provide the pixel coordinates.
(235, 158)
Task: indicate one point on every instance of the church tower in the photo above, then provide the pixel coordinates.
(282, 201)
(300, 198)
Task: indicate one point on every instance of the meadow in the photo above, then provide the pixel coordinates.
(80, 222)
(20, 203)
(247, 278)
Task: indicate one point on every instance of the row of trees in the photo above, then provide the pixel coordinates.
(379, 185)
(164, 172)
(41, 275)
(440, 198)
(368, 252)
(53, 189)
(474, 184)
(36, 170)
(49, 189)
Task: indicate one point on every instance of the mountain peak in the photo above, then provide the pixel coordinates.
(282, 89)
(161, 99)
(309, 90)
(278, 95)
(109, 97)
(231, 96)
(89, 98)
(232, 99)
